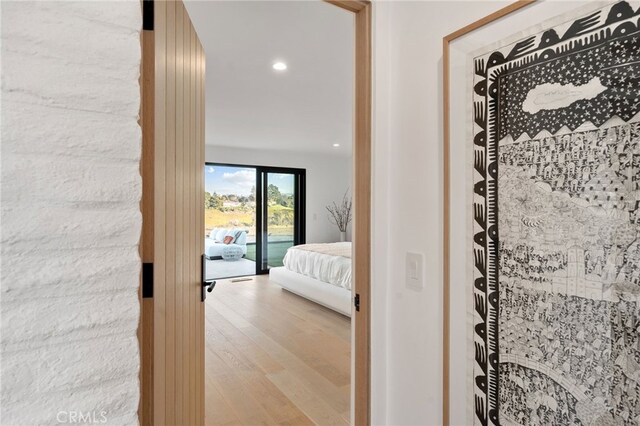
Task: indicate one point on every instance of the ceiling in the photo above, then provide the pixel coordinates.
(308, 107)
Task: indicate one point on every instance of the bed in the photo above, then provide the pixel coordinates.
(318, 272)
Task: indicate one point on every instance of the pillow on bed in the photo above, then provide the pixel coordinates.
(228, 239)
(213, 233)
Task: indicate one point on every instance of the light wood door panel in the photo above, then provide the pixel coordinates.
(173, 161)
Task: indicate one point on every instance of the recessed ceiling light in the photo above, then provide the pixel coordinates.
(336, 145)
(279, 66)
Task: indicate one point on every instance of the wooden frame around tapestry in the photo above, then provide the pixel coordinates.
(447, 186)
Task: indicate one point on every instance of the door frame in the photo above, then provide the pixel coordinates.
(362, 178)
(146, 245)
(300, 192)
(362, 157)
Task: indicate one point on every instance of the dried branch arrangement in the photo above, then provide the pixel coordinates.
(340, 214)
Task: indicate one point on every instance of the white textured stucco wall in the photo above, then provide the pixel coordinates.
(70, 220)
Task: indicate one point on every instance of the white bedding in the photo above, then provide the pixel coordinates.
(315, 261)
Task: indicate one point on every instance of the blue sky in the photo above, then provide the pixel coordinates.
(239, 180)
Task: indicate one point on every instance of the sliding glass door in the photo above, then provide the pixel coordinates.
(282, 214)
(264, 204)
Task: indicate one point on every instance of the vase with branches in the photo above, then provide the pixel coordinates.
(340, 214)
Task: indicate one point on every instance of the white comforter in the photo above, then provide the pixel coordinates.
(329, 263)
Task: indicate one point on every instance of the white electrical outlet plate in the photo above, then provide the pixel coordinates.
(414, 271)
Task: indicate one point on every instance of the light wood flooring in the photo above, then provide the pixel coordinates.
(274, 358)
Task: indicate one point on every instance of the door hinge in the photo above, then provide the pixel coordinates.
(147, 280)
(356, 302)
(147, 15)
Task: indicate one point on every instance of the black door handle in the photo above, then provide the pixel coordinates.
(207, 285)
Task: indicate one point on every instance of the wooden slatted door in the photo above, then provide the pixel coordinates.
(172, 374)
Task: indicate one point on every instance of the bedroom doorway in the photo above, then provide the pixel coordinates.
(163, 318)
(253, 214)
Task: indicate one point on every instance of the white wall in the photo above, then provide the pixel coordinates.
(328, 177)
(408, 181)
(70, 191)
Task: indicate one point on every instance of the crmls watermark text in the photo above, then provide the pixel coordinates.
(81, 417)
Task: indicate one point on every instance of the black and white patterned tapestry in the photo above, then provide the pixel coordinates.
(556, 283)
